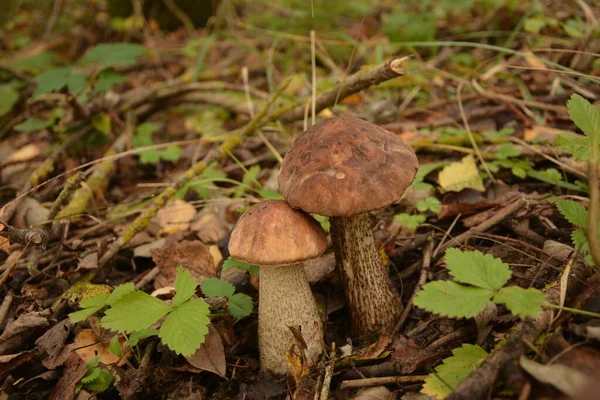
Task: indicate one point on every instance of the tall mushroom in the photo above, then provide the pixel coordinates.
(343, 168)
(278, 238)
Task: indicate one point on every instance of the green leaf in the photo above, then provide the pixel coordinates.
(93, 363)
(244, 266)
(551, 175)
(585, 115)
(409, 221)
(453, 370)
(270, 194)
(103, 123)
(171, 153)
(35, 63)
(107, 78)
(534, 24)
(402, 26)
(507, 150)
(477, 269)
(214, 287)
(185, 286)
(113, 54)
(430, 203)
(574, 212)
(578, 146)
(240, 305)
(81, 315)
(133, 312)
(137, 336)
(91, 375)
(498, 136)
(9, 96)
(580, 241)
(94, 301)
(521, 302)
(57, 79)
(115, 346)
(32, 125)
(450, 299)
(323, 221)
(185, 327)
(102, 381)
(119, 292)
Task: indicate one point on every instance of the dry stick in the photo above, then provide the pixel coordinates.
(353, 84)
(479, 382)
(487, 224)
(383, 380)
(422, 279)
(328, 375)
(592, 233)
(4, 307)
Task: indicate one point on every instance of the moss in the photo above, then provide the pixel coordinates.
(42, 172)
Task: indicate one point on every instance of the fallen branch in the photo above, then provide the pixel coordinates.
(383, 380)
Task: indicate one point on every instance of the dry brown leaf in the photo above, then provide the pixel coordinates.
(193, 255)
(75, 370)
(209, 227)
(18, 333)
(373, 393)
(89, 346)
(26, 153)
(175, 216)
(566, 379)
(211, 355)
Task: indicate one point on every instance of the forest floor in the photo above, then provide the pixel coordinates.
(127, 150)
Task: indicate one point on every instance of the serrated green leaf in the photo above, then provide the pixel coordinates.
(461, 175)
(507, 150)
(578, 146)
(94, 301)
(102, 382)
(9, 96)
(477, 269)
(107, 78)
(185, 327)
(585, 115)
(453, 370)
(574, 212)
(551, 174)
(32, 125)
(185, 286)
(34, 63)
(450, 299)
(521, 302)
(57, 79)
(244, 266)
(114, 346)
(133, 312)
(81, 315)
(409, 221)
(430, 203)
(214, 287)
(135, 337)
(240, 305)
(113, 54)
(580, 241)
(171, 153)
(91, 375)
(93, 363)
(119, 292)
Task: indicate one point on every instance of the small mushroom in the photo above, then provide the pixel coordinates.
(343, 168)
(278, 238)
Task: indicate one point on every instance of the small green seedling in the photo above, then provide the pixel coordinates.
(578, 215)
(96, 379)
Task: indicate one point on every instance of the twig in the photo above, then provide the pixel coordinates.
(592, 233)
(353, 84)
(4, 307)
(479, 382)
(422, 279)
(328, 375)
(149, 277)
(56, 7)
(180, 15)
(383, 380)
(503, 213)
(24, 237)
(313, 63)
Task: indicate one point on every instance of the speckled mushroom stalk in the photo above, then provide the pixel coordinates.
(374, 302)
(344, 168)
(278, 238)
(286, 300)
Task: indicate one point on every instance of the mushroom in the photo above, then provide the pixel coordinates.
(343, 168)
(278, 238)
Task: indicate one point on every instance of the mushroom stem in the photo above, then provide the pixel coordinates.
(286, 300)
(374, 303)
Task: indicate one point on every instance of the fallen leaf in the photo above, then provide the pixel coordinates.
(145, 250)
(461, 175)
(409, 355)
(193, 255)
(209, 227)
(211, 355)
(89, 346)
(18, 333)
(74, 370)
(373, 393)
(52, 343)
(26, 153)
(175, 216)
(89, 261)
(567, 380)
(483, 319)
(13, 361)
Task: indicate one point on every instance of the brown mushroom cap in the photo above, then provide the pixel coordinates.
(346, 166)
(272, 233)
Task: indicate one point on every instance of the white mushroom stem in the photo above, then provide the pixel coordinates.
(285, 299)
(374, 303)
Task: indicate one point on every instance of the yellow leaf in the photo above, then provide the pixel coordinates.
(461, 175)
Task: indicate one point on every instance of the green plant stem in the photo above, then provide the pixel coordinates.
(592, 233)
(573, 310)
